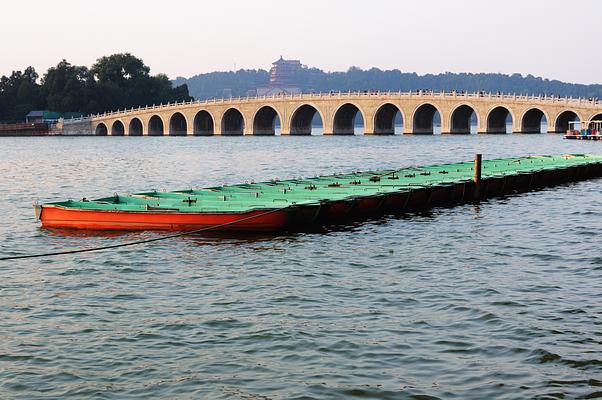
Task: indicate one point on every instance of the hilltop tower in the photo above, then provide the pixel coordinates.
(283, 72)
(282, 78)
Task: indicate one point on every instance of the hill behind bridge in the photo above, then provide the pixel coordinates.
(239, 83)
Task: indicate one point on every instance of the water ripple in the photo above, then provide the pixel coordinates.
(495, 300)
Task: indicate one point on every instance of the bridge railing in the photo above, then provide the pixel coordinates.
(75, 120)
(348, 94)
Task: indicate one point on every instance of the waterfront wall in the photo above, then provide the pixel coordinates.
(80, 127)
(24, 129)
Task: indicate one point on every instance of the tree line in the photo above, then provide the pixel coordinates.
(122, 81)
(114, 82)
(241, 82)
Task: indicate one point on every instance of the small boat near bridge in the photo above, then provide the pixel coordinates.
(584, 130)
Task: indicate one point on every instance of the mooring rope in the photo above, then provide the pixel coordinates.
(138, 242)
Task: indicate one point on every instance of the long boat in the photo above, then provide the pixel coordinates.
(285, 204)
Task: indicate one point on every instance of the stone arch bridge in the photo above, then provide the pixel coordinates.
(339, 113)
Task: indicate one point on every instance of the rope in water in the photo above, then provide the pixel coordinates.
(138, 242)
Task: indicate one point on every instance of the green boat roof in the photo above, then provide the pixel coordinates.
(278, 194)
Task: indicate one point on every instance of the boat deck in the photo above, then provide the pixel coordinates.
(584, 137)
(276, 194)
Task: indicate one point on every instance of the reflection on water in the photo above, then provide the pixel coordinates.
(496, 300)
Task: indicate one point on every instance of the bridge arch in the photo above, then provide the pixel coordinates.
(135, 127)
(264, 120)
(344, 119)
(203, 124)
(384, 119)
(178, 126)
(596, 117)
(497, 119)
(561, 124)
(303, 117)
(233, 122)
(155, 126)
(532, 119)
(461, 118)
(423, 119)
(101, 130)
(117, 129)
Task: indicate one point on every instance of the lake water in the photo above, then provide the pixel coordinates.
(495, 300)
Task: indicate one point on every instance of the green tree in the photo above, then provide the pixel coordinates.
(124, 81)
(69, 87)
(113, 82)
(19, 94)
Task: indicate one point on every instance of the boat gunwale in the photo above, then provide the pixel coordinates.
(165, 211)
(326, 187)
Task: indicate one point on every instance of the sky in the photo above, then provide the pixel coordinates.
(555, 39)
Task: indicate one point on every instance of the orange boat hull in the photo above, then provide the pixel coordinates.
(262, 220)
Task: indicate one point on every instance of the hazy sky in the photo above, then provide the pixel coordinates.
(557, 39)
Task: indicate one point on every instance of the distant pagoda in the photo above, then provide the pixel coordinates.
(283, 72)
(283, 76)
